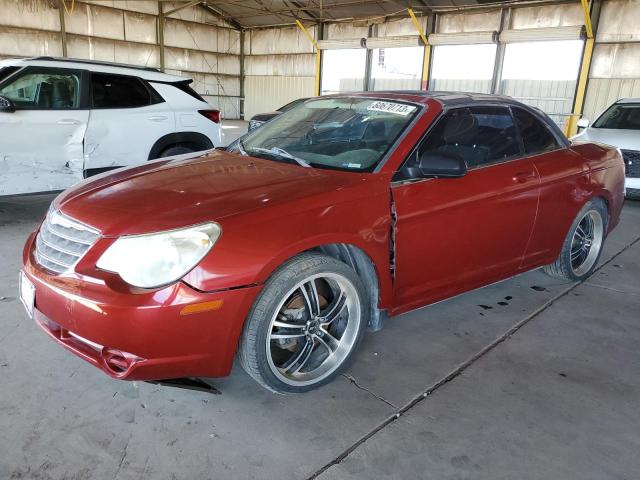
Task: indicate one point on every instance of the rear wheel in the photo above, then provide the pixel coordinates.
(176, 150)
(305, 324)
(583, 245)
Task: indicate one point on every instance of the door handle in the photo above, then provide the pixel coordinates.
(68, 121)
(158, 118)
(522, 177)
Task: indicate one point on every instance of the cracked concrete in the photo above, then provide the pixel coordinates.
(528, 378)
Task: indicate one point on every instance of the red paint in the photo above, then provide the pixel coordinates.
(451, 235)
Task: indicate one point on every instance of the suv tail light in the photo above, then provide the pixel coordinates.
(213, 115)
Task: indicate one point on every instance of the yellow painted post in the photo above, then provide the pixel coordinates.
(426, 60)
(581, 89)
(315, 45)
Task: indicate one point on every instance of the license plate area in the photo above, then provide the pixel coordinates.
(27, 293)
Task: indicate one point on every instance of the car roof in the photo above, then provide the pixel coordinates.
(629, 100)
(147, 73)
(446, 98)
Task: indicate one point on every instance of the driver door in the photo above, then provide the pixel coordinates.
(457, 234)
(41, 143)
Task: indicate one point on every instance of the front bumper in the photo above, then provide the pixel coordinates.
(140, 336)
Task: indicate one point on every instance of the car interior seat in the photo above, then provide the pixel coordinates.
(44, 95)
(460, 139)
(62, 96)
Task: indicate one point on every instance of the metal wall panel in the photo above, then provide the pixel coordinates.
(278, 41)
(542, 16)
(469, 22)
(197, 61)
(96, 21)
(604, 91)
(36, 14)
(346, 30)
(266, 93)
(20, 43)
(400, 27)
(554, 97)
(139, 27)
(461, 85)
(283, 65)
(112, 51)
(619, 21)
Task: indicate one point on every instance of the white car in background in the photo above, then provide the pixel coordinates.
(63, 120)
(619, 126)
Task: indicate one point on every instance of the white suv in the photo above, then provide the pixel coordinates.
(63, 120)
(619, 125)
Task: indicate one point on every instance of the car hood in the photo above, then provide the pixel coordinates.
(166, 194)
(624, 139)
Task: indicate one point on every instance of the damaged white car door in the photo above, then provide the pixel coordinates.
(41, 142)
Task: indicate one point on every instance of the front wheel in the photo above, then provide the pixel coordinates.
(583, 245)
(305, 324)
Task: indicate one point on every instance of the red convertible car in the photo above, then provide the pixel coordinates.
(335, 215)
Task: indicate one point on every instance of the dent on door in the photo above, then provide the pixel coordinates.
(41, 159)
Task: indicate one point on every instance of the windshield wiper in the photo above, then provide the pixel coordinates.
(279, 152)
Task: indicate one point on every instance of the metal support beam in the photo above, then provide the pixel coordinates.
(371, 32)
(161, 33)
(63, 28)
(426, 59)
(318, 57)
(496, 80)
(242, 75)
(571, 127)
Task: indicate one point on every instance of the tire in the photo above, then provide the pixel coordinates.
(288, 350)
(582, 247)
(175, 150)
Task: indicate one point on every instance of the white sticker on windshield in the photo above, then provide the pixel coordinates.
(391, 107)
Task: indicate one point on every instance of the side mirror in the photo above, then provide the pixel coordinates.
(441, 165)
(583, 123)
(6, 105)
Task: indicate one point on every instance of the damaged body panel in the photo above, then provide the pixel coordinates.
(41, 151)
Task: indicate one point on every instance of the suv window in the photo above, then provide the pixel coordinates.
(45, 89)
(479, 135)
(536, 136)
(118, 91)
(623, 116)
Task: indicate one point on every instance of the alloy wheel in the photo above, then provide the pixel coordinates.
(314, 329)
(586, 242)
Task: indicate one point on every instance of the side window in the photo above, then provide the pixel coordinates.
(479, 135)
(116, 91)
(537, 138)
(44, 90)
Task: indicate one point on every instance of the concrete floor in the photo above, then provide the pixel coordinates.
(232, 130)
(525, 379)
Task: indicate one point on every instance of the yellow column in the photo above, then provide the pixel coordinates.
(581, 90)
(426, 60)
(315, 45)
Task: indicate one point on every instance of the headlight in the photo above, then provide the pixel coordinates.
(157, 259)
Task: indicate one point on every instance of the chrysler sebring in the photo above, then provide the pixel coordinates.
(332, 217)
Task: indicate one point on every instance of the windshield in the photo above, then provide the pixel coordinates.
(623, 116)
(344, 133)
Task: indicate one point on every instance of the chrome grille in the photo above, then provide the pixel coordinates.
(61, 242)
(631, 163)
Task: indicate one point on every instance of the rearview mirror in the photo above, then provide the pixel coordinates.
(6, 105)
(583, 123)
(441, 165)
